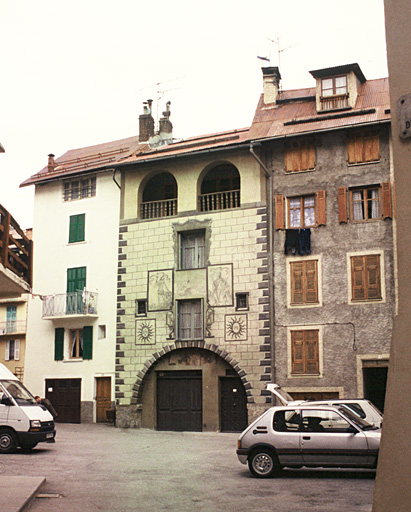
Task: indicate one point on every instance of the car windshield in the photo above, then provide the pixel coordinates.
(354, 418)
(16, 390)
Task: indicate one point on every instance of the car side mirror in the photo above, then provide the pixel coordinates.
(352, 430)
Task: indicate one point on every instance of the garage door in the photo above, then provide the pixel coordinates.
(179, 400)
(65, 395)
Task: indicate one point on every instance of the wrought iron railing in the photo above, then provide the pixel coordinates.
(15, 247)
(157, 209)
(13, 326)
(219, 201)
(74, 303)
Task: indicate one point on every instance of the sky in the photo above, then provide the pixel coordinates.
(76, 73)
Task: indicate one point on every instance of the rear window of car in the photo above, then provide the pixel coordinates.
(286, 421)
(355, 408)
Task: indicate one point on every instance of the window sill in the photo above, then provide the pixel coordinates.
(79, 360)
(299, 172)
(355, 164)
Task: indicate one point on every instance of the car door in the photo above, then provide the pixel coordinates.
(287, 437)
(325, 440)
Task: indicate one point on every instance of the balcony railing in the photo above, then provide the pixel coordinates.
(157, 209)
(219, 201)
(15, 247)
(334, 102)
(13, 327)
(75, 303)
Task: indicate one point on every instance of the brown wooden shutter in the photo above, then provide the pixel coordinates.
(373, 278)
(311, 351)
(351, 149)
(358, 277)
(297, 285)
(289, 167)
(321, 208)
(279, 212)
(342, 205)
(297, 352)
(311, 282)
(386, 200)
(372, 147)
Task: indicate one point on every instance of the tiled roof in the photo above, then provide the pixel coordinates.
(295, 112)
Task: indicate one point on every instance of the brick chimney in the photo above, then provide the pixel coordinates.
(166, 126)
(51, 163)
(146, 122)
(271, 83)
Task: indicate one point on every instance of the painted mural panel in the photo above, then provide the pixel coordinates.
(160, 290)
(220, 285)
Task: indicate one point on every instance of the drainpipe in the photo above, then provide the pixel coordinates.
(270, 192)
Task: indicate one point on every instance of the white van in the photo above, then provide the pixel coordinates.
(365, 409)
(23, 422)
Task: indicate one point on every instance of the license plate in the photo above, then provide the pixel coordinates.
(49, 436)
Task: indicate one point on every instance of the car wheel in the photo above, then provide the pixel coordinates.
(263, 463)
(8, 441)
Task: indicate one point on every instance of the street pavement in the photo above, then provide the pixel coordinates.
(94, 468)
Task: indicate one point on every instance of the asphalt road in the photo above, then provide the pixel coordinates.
(100, 468)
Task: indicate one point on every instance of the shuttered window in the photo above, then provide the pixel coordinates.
(365, 203)
(77, 231)
(304, 282)
(88, 342)
(192, 249)
(300, 155)
(305, 352)
(306, 211)
(59, 344)
(279, 212)
(366, 278)
(190, 319)
(363, 146)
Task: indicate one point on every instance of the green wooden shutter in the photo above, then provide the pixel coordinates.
(59, 344)
(77, 224)
(88, 342)
(76, 279)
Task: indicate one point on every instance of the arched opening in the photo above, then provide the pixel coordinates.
(220, 188)
(193, 389)
(159, 197)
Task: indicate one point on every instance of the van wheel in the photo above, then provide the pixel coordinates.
(263, 463)
(8, 441)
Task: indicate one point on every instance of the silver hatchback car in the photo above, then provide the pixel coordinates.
(308, 435)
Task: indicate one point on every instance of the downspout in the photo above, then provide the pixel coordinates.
(114, 179)
(270, 192)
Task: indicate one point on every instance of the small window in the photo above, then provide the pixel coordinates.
(241, 301)
(365, 203)
(79, 189)
(334, 86)
(141, 307)
(12, 350)
(366, 278)
(102, 332)
(305, 352)
(300, 156)
(192, 249)
(77, 228)
(76, 343)
(304, 282)
(190, 319)
(363, 147)
(11, 319)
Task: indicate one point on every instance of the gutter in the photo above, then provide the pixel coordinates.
(270, 195)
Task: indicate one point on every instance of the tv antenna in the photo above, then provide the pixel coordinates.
(267, 58)
(160, 91)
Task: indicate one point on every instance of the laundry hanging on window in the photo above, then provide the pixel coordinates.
(305, 241)
(292, 241)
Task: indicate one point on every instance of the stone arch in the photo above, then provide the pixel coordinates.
(157, 195)
(178, 345)
(219, 187)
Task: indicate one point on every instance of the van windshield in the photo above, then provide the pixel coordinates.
(17, 391)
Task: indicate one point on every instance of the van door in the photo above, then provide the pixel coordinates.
(4, 409)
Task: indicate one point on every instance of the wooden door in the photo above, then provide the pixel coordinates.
(103, 398)
(179, 400)
(65, 395)
(233, 405)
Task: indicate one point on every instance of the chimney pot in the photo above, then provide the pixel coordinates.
(51, 163)
(146, 122)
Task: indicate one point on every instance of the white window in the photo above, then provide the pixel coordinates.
(192, 249)
(12, 350)
(190, 319)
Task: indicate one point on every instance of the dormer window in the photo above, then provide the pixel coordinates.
(334, 93)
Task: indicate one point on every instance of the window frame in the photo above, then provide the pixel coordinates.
(302, 209)
(292, 262)
(334, 86)
(15, 343)
(365, 202)
(242, 296)
(79, 343)
(291, 350)
(180, 304)
(381, 277)
(140, 302)
(79, 188)
(199, 259)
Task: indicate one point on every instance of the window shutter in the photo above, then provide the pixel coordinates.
(357, 278)
(16, 350)
(59, 344)
(311, 351)
(297, 352)
(76, 232)
(297, 289)
(279, 212)
(88, 342)
(342, 205)
(289, 160)
(321, 209)
(386, 201)
(311, 282)
(7, 352)
(351, 149)
(373, 276)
